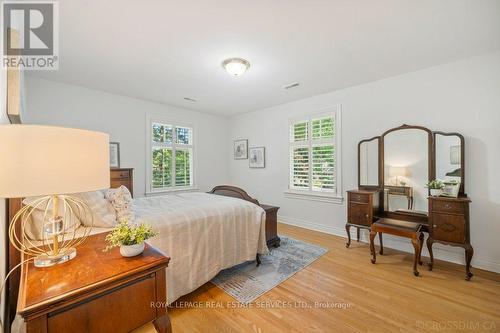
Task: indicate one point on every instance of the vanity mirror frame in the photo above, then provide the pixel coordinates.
(409, 216)
(380, 172)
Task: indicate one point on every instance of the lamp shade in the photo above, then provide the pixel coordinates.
(46, 160)
(398, 171)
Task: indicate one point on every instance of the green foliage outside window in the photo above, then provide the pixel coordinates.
(163, 160)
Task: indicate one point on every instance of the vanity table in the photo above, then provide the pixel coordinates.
(402, 206)
(405, 191)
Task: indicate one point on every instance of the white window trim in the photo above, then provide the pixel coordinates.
(330, 197)
(150, 191)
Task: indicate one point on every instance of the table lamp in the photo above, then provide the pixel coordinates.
(398, 171)
(51, 163)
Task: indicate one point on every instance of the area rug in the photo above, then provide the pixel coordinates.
(246, 282)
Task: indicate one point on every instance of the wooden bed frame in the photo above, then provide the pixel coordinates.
(14, 257)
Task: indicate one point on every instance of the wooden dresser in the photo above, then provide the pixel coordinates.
(96, 292)
(449, 224)
(123, 176)
(362, 207)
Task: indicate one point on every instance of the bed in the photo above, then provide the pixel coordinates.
(203, 233)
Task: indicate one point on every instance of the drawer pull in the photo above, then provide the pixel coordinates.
(367, 216)
(435, 226)
(447, 206)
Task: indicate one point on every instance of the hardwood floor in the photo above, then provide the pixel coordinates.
(385, 297)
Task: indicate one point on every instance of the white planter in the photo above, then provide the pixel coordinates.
(436, 192)
(131, 250)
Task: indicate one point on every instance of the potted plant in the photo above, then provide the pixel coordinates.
(436, 187)
(130, 238)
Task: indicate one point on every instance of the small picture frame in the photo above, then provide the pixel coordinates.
(450, 189)
(114, 154)
(257, 157)
(241, 149)
(455, 155)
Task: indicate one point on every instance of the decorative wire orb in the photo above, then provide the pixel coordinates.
(64, 227)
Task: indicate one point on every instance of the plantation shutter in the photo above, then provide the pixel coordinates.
(323, 154)
(171, 156)
(312, 154)
(299, 155)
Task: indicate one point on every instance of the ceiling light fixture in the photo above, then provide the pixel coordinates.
(236, 66)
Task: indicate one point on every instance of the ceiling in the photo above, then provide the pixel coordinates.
(164, 51)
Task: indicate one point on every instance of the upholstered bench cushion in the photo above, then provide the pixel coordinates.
(398, 224)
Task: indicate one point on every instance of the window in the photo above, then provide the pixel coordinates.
(314, 155)
(171, 159)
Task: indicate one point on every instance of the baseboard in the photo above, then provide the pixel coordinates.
(450, 254)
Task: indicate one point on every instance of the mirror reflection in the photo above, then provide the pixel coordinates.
(448, 157)
(406, 170)
(368, 163)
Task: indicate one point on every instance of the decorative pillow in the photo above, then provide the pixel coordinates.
(121, 199)
(103, 213)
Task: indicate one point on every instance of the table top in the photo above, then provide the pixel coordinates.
(268, 207)
(92, 268)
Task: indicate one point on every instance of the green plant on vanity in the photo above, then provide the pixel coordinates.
(435, 184)
(129, 236)
(436, 187)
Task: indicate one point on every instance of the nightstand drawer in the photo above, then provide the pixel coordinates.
(359, 197)
(120, 174)
(446, 206)
(448, 228)
(118, 183)
(131, 301)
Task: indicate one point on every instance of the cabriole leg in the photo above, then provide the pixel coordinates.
(373, 233)
(348, 229)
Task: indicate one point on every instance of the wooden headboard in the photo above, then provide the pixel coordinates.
(122, 176)
(233, 191)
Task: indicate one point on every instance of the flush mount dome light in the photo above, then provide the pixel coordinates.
(235, 66)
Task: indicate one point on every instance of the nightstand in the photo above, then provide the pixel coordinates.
(96, 292)
(272, 238)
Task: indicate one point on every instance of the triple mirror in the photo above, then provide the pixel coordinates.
(403, 160)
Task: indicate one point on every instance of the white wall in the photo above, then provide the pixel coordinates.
(124, 119)
(462, 96)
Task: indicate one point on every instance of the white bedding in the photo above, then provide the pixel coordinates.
(202, 234)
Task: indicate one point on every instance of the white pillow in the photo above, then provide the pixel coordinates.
(121, 199)
(103, 213)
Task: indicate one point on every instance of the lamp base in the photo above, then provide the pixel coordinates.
(46, 260)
